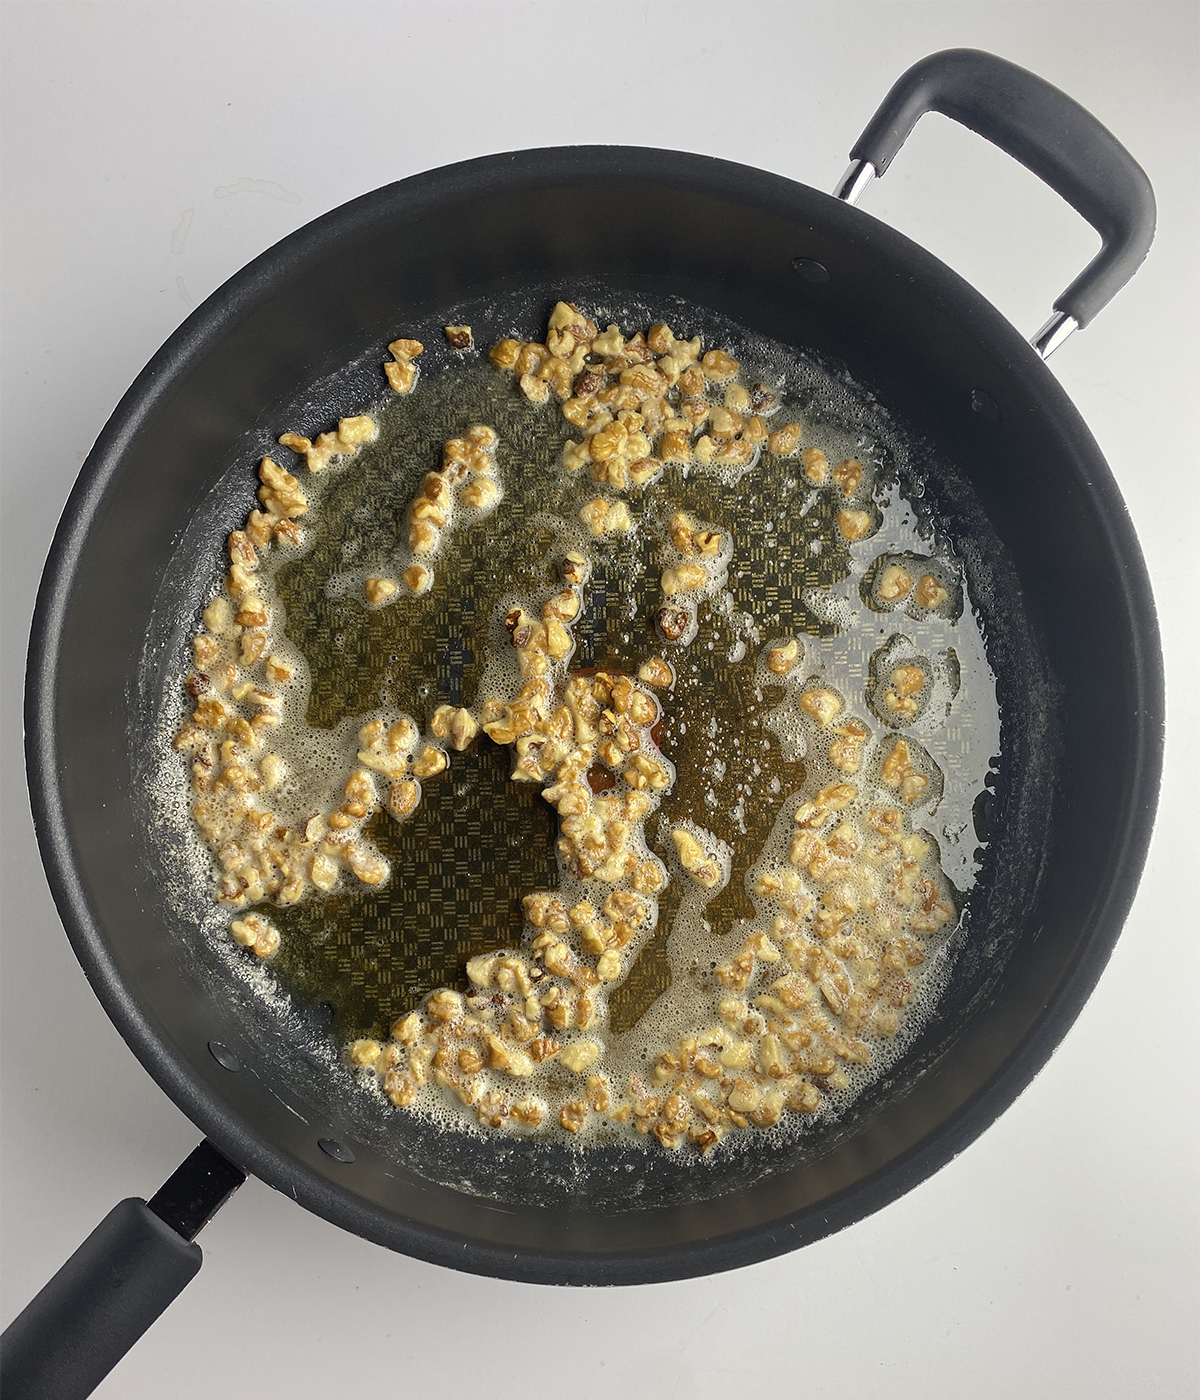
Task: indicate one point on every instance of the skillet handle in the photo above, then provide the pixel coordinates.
(114, 1287)
(1050, 134)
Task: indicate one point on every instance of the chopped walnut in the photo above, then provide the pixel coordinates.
(351, 434)
(822, 704)
(673, 623)
(657, 673)
(718, 366)
(256, 933)
(579, 1056)
(929, 592)
(535, 390)
(606, 517)
(418, 579)
(696, 861)
(854, 524)
(815, 465)
(784, 441)
(431, 762)
(894, 582)
(400, 371)
(380, 591)
(848, 475)
(781, 660)
(504, 354)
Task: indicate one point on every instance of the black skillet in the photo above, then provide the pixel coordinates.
(1014, 477)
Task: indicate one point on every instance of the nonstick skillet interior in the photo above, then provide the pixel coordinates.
(1061, 842)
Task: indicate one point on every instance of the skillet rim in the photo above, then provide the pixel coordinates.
(745, 185)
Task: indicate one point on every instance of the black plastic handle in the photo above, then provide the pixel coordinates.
(1050, 134)
(116, 1284)
(98, 1304)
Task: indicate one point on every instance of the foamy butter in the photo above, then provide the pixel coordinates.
(766, 1019)
(841, 663)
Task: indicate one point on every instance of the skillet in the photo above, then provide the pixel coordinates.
(1019, 485)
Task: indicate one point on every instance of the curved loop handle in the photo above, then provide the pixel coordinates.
(1050, 134)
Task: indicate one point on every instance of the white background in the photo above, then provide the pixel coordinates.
(1057, 1256)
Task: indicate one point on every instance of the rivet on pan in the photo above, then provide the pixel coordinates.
(811, 270)
(338, 1151)
(985, 406)
(224, 1056)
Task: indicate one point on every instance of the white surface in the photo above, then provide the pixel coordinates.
(1057, 1256)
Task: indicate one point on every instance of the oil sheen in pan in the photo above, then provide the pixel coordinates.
(479, 842)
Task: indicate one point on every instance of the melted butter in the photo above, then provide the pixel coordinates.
(478, 843)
